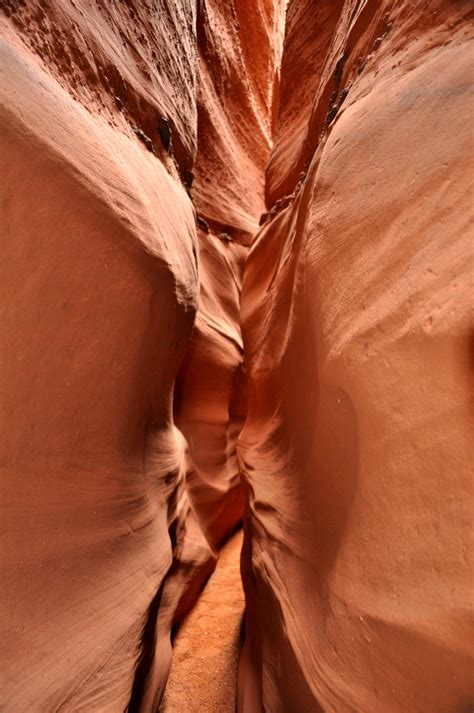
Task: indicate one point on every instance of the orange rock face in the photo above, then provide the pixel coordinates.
(104, 549)
(356, 342)
(142, 143)
(234, 131)
(99, 288)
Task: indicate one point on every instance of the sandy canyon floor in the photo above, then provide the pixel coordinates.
(206, 648)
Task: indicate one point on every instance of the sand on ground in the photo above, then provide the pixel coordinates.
(205, 652)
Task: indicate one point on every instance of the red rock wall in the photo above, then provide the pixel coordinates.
(103, 110)
(237, 63)
(356, 337)
(99, 288)
(124, 373)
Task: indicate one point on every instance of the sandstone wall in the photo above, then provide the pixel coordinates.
(237, 63)
(137, 157)
(355, 313)
(101, 269)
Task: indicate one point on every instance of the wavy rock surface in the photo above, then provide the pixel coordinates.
(98, 252)
(356, 334)
(210, 403)
(103, 550)
(237, 63)
(239, 57)
(123, 373)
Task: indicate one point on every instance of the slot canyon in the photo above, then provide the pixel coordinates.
(236, 356)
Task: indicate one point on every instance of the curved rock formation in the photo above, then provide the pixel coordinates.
(136, 148)
(210, 394)
(238, 59)
(103, 550)
(356, 341)
(98, 258)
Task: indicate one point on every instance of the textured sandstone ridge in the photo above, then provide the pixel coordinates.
(103, 115)
(238, 57)
(356, 335)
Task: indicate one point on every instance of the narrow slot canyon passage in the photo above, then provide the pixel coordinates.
(206, 648)
(235, 296)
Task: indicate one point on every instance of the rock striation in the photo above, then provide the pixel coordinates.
(235, 282)
(237, 61)
(111, 517)
(355, 314)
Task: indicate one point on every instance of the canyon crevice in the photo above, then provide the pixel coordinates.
(236, 279)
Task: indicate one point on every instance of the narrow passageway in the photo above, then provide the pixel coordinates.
(206, 648)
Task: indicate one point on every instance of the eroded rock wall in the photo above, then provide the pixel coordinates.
(100, 288)
(123, 375)
(355, 313)
(238, 60)
(103, 549)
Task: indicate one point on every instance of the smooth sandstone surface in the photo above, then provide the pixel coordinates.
(105, 288)
(239, 56)
(102, 549)
(210, 395)
(357, 339)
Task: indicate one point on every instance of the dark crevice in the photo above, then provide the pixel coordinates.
(147, 653)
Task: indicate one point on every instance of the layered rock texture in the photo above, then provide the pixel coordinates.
(112, 515)
(237, 63)
(355, 314)
(169, 366)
